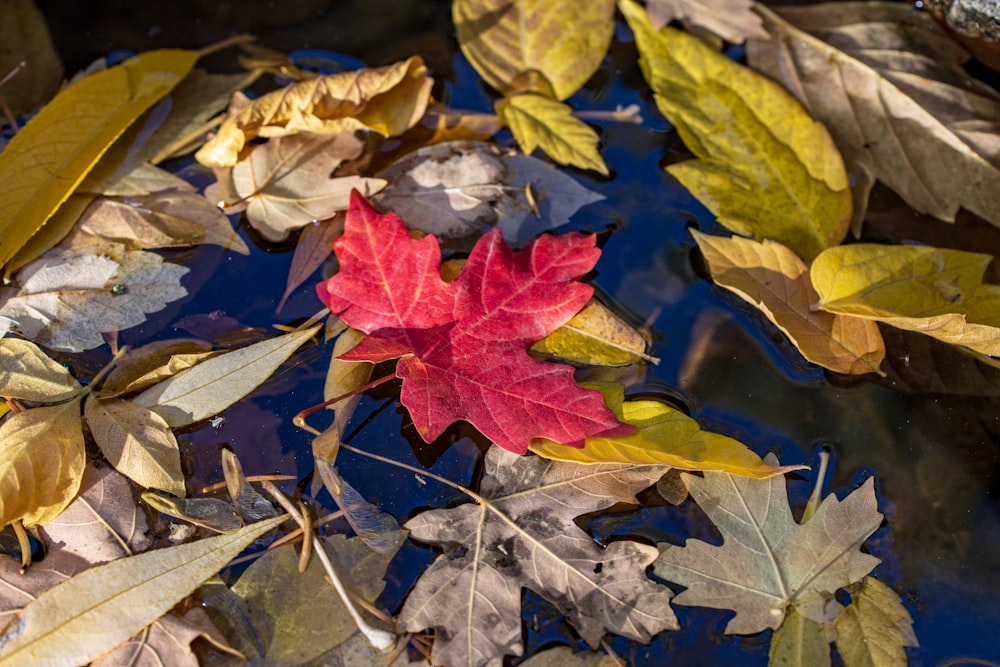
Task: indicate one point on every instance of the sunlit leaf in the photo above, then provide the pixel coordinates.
(47, 158)
(43, 462)
(91, 613)
(29, 374)
(733, 20)
(665, 436)
(772, 278)
(764, 167)
(934, 291)
(875, 628)
(387, 100)
(215, 384)
(143, 366)
(537, 121)
(595, 336)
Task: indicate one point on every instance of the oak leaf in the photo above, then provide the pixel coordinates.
(732, 20)
(522, 534)
(462, 345)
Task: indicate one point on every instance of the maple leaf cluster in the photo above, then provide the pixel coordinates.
(462, 345)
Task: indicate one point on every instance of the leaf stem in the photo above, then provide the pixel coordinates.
(300, 419)
(815, 498)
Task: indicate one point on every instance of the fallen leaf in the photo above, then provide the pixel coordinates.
(522, 534)
(463, 343)
(537, 121)
(875, 628)
(140, 367)
(65, 301)
(48, 157)
(93, 612)
(772, 279)
(889, 85)
(799, 642)
(764, 167)
(214, 514)
(564, 41)
(934, 291)
(137, 442)
(129, 179)
(456, 190)
(29, 374)
(732, 20)
(168, 642)
(27, 42)
(595, 336)
(663, 436)
(564, 656)
(43, 463)
(387, 100)
(213, 385)
(315, 246)
(767, 561)
(55, 230)
(342, 377)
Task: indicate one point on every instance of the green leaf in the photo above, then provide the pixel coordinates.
(29, 374)
(540, 122)
(90, 614)
(47, 158)
(875, 628)
(764, 167)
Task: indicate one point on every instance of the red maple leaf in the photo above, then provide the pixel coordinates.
(462, 346)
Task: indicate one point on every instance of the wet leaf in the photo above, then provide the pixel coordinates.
(168, 642)
(597, 337)
(767, 561)
(65, 301)
(562, 40)
(250, 505)
(43, 463)
(377, 529)
(342, 377)
(214, 514)
(387, 100)
(772, 279)
(26, 40)
(875, 628)
(764, 167)
(456, 190)
(934, 291)
(95, 611)
(463, 343)
(799, 642)
(523, 534)
(137, 442)
(732, 20)
(148, 364)
(29, 374)
(47, 158)
(664, 436)
(287, 185)
(314, 247)
(537, 121)
(889, 84)
(215, 384)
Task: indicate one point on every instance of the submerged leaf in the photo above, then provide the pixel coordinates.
(764, 167)
(537, 121)
(29, 374)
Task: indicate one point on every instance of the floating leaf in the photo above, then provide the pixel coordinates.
(387, 100)
(137, 442)
(889, 84)
(934, 291)
(95, 611)
(522, 534)
(875, 628)
(764, 167)
(215, 384)
(768, 561)
(597, 337)
(564, 656)
(45, 160)
(43, 463)
(148, 364)
(168, 642)
(772, 279)
(342, 377)
(212, 513)
(664, 436)
(315, 246)
(537, 121)
(732, 20)
(799, 642)
(29, 374)
(563, 40)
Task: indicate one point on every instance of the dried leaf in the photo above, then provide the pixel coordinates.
(799, 642)
(47, 158)
(287, 185)
(167, 642)
(732, 20)
(595, 336)
(875, 628)
(772, 279)
(215, 384)
(523, 534)
(377, 529)
(563, 40)
(130, 179)
(889, 84)
(137, 442)
(43, 462)
(315, 246)
(456, 190)
(934, 291)
(342, 377)
(664, 436)
(387, 100)
(765, 168)
(148, 364)
(214, 514)
(29, 374)
(768, 561)
(537, 121)
(95, 611)
(564, 656)
(65, 301)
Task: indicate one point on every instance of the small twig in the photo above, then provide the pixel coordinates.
(307, 531)
(225, 44)
(300, 419)
(629, 114)
(24, 543)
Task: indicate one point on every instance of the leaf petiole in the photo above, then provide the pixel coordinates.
(300, 419)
